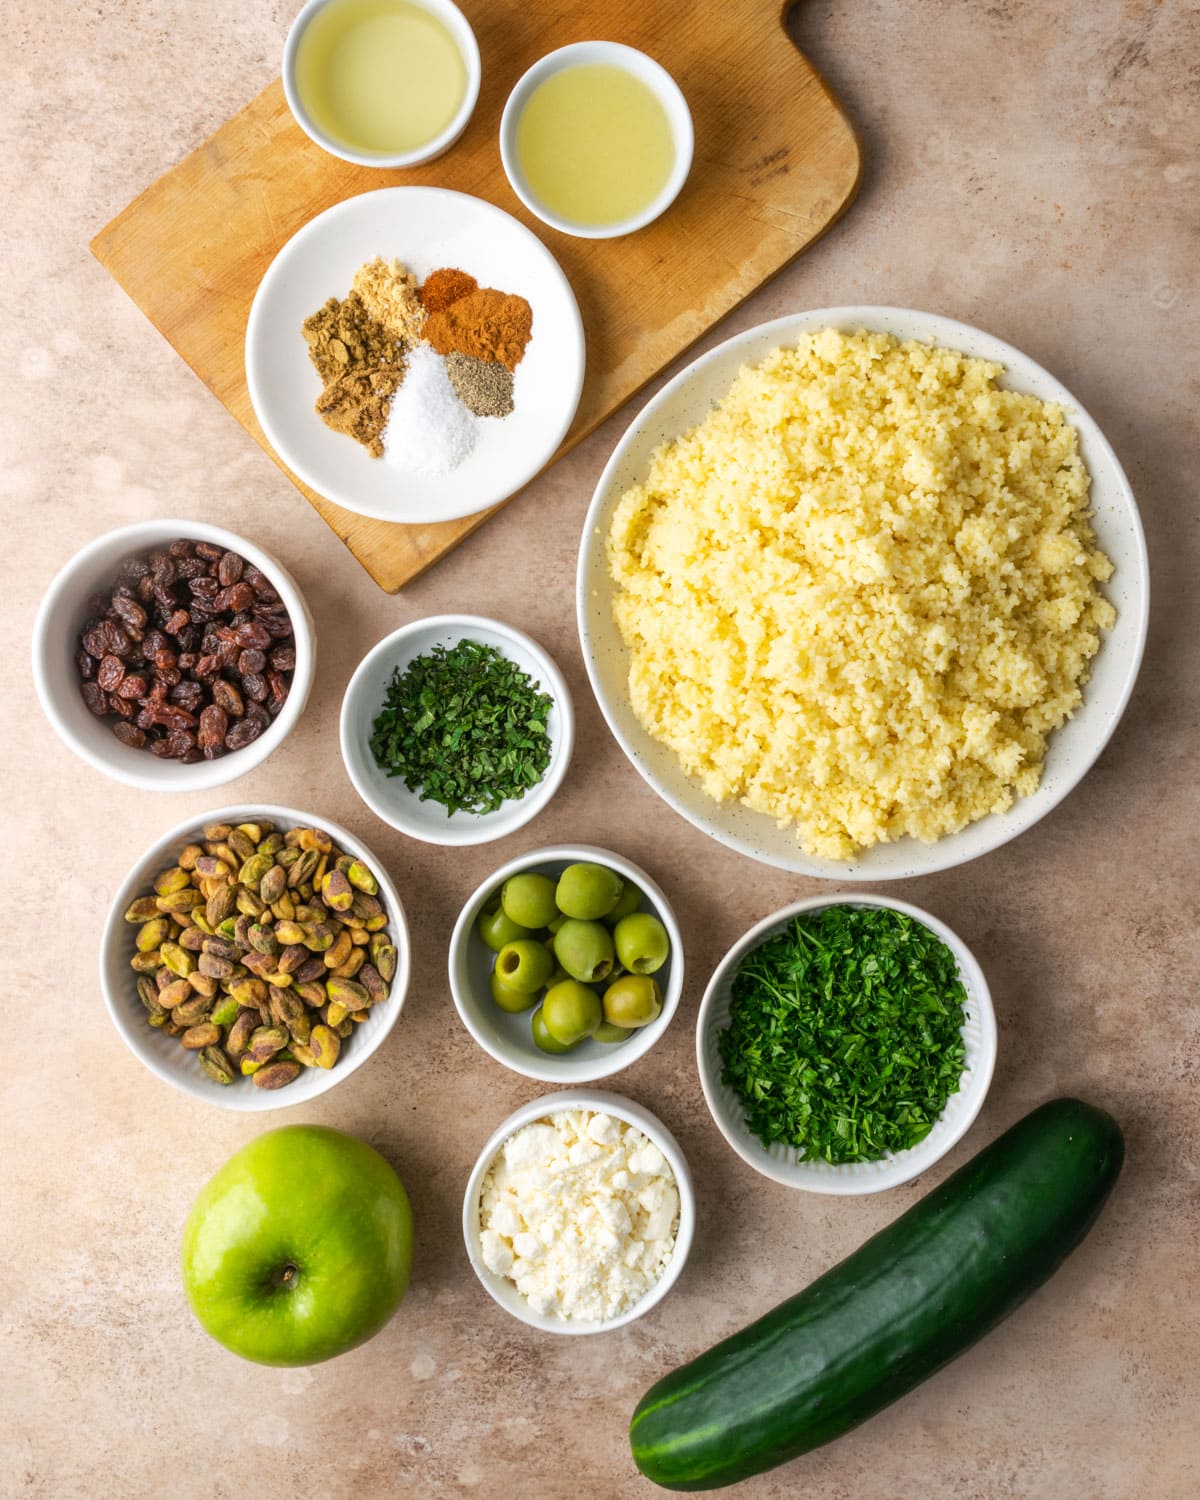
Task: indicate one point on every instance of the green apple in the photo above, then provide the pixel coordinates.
(299, 1248)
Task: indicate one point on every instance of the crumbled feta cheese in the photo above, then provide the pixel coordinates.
(580, 1211)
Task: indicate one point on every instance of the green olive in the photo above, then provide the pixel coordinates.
(633, 1000)
(524, 965)
(528, 899)
(642, 943)
(511, 1000)
(571, 1012)
(541, 1037)
(627, 903)
(496, 928)
(585, 950)
(607, 1032)
(587, 892)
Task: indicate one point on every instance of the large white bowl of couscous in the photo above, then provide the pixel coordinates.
(863, 593)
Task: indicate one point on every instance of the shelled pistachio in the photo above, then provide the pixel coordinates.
(260, 950)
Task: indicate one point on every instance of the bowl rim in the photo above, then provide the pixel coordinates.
(252, 1101)
(622, 1056)
(65, 590)
(901, 1167)
(488, 826)
(946, 853)
(651, 72)
(468, 47)
(598, 1101)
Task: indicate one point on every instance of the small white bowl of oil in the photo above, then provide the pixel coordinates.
(382, 83)
(596, 139)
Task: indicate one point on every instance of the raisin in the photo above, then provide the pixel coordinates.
(214, 725)
(243, 733)
(189, 695)
(110, 672)
(252, 633)
(107, 639)
(241, 596)
(226, 696)
(131, 613)
(95, 697)
(188, 650)
(129, 734)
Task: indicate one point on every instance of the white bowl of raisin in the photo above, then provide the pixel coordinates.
(173, 655)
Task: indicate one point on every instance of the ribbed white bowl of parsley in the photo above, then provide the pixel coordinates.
(846, 1043)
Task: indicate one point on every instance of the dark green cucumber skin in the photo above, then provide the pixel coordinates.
(906, 1303)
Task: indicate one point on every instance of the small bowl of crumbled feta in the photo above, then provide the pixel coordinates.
(580, 1212)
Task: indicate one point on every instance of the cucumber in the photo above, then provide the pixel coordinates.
(868, 1331)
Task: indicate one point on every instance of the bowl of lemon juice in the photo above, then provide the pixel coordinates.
(596, 139)
(384, 83)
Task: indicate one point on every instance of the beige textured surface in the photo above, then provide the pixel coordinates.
(1031, 168)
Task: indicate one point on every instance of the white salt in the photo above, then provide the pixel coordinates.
(429, 429)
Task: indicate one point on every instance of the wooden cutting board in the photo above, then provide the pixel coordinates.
(776, 163)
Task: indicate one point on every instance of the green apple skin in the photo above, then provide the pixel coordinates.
(299, 1248)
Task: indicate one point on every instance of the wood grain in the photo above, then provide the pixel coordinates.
(776, 163)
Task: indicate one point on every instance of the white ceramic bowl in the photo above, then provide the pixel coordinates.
(56, 640)
(687, 400)
(508, 1037)
(464, 38)
(426, 228)
(647, 71)
(162, 1054)
(780, 1162)
(387, 796)
(503, 1291)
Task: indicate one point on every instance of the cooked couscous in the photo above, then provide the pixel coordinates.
(863, 591)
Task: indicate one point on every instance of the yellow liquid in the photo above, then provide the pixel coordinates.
(379, 75)
(595, 145)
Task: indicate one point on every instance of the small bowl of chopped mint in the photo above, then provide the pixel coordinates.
(846, 1043)
(457, 729)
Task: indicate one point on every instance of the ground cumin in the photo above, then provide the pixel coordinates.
(489, 325)
(362, 365)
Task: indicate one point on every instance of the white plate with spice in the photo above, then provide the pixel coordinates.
(427, 229)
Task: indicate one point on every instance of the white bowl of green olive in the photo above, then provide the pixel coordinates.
(197, 995)
(568, 995)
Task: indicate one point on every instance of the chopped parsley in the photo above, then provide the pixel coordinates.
(844, 1037)
(464, 726)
